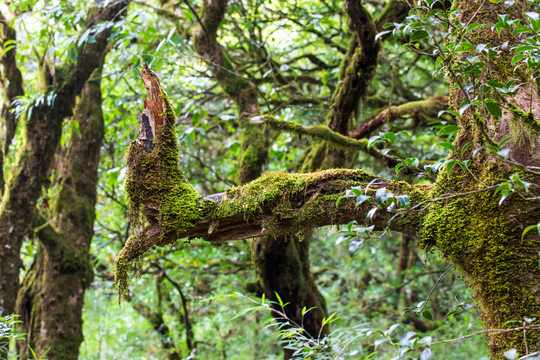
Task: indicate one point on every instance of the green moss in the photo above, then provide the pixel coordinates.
(254, 154)
(281, 197)
(156, 189)
(478, 237)
(523, 124)
(155, 180)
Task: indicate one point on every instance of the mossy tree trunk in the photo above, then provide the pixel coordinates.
(283, 262)
(41, 132)
(12, 87)
(51, 296)
(479, 236)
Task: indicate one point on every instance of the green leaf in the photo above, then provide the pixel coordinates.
(524, 48)
(449, 111)
(399, 167)
(371, 213)
(465, 46)
(494, 109)
(495, 83)
(412, 161)
(355, 245)
(463, 109)
(472, 26)
(533, 15)
(448, 129)
(447, 145)
(504, 141)
(404, 200)
(329, 320)
(389, 136)
(342, 238)
(504, 153)
(382, 33)
(449, 165)
(380, 341)
(529, 228)
(426, 354)
(419, 35)
(361, 198)
(373, 140)
(427, 314)
(521, 29)
(380, 195)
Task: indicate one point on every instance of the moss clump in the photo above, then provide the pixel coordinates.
(155, 184)
(288, 202)
(156, 189)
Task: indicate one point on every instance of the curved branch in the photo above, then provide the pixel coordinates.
(428, 107)
(325, 133)
(358, 68)
(282, 203)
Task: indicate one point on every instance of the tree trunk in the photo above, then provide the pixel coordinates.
(268, 252)
(51, 296)
(481, 237)
(42, 131)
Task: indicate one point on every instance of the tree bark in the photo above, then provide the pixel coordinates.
(42, 132)
(12, 86)
(51, 296)
(481, 237)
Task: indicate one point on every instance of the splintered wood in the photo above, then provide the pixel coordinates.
(153, 116)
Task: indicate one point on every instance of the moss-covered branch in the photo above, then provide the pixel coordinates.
(275, 203)
(280, 203)
(324, 133)
(424, 108)
(358, 67)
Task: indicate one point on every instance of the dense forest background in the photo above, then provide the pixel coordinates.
(390, 87)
